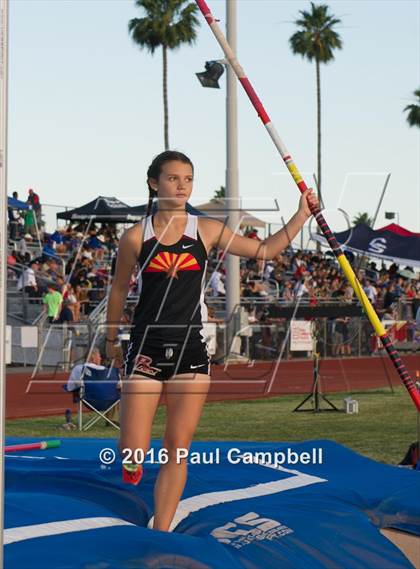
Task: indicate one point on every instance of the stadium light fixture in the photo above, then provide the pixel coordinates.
(393, 215)
(210, 77)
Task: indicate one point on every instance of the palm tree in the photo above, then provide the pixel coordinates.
(362, 219)
(413, 115)
(167, 24)
(316, 40)
(219, 194)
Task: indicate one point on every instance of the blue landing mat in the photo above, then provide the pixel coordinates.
(67, 510)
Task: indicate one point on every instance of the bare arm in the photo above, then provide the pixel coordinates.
(267, 249)
(127, 256)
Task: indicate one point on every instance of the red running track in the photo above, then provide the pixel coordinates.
(45, 396)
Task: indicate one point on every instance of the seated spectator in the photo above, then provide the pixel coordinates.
(87, 252)
(96, 244)
(254, 289)
(390, 295)
(51, 268)
(69, 296)
(11, 258)
(135, 281)
(60, 285)
(82, 298)
(216, 283)
(57, 240)
(339, 293)
(95, 294)
(371, 292)
(287, 294)
(22, 247)
(74, 382)
(27, 281)
(301, 289)
(268, 270)
(348, 293)
(48, 251)
(93, 361)
(65, 315)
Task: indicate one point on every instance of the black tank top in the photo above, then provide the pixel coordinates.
(171, 304)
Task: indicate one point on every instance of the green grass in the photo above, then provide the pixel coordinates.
(383, 429)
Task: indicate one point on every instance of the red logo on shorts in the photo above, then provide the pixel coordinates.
(143, 364)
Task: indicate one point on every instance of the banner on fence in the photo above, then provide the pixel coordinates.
(8, 347)
(29, 337)
(396, 330)
(300, 336)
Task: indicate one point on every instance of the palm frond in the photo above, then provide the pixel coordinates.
(413, 111)
(316, 38)
(168, 23)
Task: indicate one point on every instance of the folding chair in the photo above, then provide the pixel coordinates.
(98, 392)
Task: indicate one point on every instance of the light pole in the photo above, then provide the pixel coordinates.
(3, 244)
(232, 191)
(209, 78)
(380, 200)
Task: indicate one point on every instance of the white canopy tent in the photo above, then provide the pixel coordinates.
(220, 208)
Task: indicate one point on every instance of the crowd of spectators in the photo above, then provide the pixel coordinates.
(76, 262)
(314, 278)
(67, 271)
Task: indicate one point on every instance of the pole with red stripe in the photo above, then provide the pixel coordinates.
(316, 212)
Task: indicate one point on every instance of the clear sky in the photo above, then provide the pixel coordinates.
(86, 113)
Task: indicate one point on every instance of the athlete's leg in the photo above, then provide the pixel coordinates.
(139, 400)
(185, 396)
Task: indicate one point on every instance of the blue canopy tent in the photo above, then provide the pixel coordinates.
(380, 243)
(110, 209)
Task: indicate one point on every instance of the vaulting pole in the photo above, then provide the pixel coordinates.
(316, 212)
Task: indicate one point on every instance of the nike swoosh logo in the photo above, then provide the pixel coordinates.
(201, 365)
(187, 246)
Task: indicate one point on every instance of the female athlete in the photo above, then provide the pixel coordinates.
(167, 350)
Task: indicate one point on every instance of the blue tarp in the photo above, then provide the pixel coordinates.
(66, 510)
(16, 204)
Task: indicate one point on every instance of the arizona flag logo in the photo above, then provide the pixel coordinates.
(171, 263)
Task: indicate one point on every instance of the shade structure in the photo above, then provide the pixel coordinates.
(101, 209)
(220, 207)
(139, 211)
(402, 247)
(111, 209)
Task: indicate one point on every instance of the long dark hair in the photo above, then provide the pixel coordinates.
(155, 170)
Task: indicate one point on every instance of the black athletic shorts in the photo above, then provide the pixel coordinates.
(161, 361)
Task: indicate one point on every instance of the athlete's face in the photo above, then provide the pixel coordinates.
(174, 185)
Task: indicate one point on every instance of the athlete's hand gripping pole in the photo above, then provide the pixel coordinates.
(341, 258)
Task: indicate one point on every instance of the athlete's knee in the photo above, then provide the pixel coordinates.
(177, 447)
